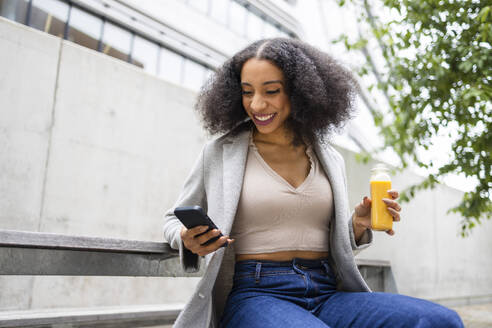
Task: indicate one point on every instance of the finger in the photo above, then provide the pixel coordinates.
(207, 236)
(394, 214)
(193, 232)
(392, 203)
(187, 239)
(183, 232)
(393, 193)
(390, 232)
(215, 245)
(366, 201)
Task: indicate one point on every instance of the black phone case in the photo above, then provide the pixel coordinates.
(192, 216)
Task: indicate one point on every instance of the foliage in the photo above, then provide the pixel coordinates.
(436, 78)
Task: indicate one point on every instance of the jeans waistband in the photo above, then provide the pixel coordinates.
(295, 261)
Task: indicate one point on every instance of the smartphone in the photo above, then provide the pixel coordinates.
(192, 216)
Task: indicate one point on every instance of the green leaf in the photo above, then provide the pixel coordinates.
(437, 68)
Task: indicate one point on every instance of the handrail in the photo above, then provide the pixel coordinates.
(36, 253)
(372, 263)
(30, 239)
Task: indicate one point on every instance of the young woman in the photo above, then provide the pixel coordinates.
(277, 191)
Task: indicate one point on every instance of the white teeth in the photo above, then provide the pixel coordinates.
(264, 118)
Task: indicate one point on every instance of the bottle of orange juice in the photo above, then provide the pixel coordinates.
(380, 181)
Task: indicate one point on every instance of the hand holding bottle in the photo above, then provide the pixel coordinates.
(362, 216)
(385, 210)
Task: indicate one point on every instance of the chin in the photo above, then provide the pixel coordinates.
(266, 129)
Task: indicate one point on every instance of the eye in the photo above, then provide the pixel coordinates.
(246, 93)
(271, 92)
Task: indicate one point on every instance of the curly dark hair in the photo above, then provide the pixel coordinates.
(320, 90)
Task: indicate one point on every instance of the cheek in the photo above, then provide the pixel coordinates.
(245, 103)
(284, 103)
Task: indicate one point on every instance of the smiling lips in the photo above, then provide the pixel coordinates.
(263, 119)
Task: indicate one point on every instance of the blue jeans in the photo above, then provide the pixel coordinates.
(302, 293)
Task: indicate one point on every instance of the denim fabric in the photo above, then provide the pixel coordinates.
(302, 293)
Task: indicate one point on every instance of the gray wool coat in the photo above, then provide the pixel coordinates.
(215, 184)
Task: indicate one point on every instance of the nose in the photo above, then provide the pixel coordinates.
(257, 103)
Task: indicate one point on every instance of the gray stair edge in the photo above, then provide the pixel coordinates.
(19, 318)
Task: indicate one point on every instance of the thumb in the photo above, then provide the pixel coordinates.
(366, 202)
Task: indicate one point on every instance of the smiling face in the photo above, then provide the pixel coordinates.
(264, 97)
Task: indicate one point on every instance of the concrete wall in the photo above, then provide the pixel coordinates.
(90, 145)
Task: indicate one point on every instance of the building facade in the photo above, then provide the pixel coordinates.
(179, 41)
(97, 135)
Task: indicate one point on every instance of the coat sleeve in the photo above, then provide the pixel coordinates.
(193, 193)
(364, 242)
(367, 238)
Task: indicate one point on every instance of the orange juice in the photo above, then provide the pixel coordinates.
(381, 218)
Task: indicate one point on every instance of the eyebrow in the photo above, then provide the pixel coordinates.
(264, 83)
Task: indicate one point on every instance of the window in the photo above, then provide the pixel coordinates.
(237, 19)
(170, 66)
(201, 5)
(220, 10)
(193, 75)
(116, 41)
(145, 54)
(49, 16)
(283, 34)
(270, 30)
(255, 26)
(67, 20)
(15, 10)
(85, 29)
(208, 74)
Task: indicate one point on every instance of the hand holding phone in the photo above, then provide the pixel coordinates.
(200, 235)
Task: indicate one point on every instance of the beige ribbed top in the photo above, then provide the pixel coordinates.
(274, 216)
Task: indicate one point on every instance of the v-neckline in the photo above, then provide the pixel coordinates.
(274, 173)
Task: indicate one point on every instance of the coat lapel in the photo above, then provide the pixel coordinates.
(234, 163)
(334, 172)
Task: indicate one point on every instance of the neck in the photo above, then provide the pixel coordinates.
(281, 137)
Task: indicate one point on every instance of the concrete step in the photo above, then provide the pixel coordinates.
(475, 316)
(100, 317)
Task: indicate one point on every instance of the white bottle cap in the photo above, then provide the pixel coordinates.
(380, 167)
(380, 172)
